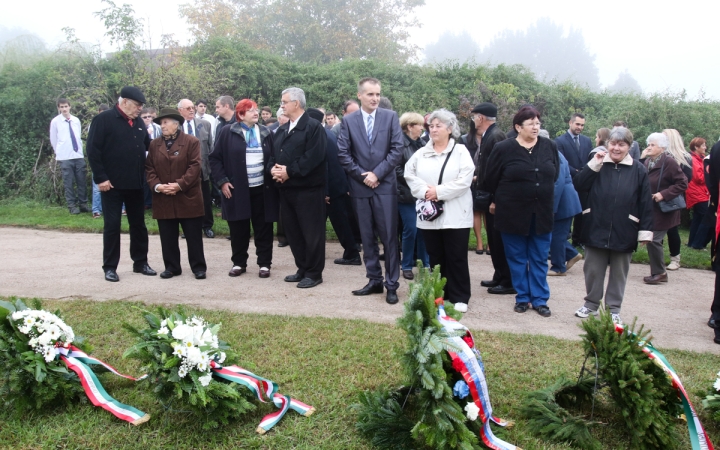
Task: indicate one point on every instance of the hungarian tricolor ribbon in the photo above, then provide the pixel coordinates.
(78, 361)
(469, 363)
(265, 390)
(698, 437)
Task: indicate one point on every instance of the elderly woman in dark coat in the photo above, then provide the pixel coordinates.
(521, 174)
(238, 162)
(173, 173)
(618, 214)
(667, 181)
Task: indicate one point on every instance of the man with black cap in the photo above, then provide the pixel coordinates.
(484, 117)
(116, 145)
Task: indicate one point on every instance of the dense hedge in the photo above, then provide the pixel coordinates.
(28, 91)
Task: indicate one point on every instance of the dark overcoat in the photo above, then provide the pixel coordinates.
(181, 165)
(302, 152)
(229, 164)
(576, 158)
(116, 150)
(673, 183)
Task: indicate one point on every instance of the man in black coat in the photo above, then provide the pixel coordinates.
(298, 166)
(575, 148)
(485, 116)
(116, 146)
(338, 199)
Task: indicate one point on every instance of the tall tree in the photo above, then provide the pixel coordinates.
(548, 51)
(450, 46)
(625, 83)
(311, 30)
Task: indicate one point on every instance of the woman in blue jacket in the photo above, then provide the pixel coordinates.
(567, 205)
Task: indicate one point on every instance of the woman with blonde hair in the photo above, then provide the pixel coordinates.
(676, 149)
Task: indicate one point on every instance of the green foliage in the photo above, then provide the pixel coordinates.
(27, 381)
(381, 419)
(213, 404)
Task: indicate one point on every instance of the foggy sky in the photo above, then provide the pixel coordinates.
(664, 48)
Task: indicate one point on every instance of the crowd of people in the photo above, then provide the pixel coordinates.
(411, 182)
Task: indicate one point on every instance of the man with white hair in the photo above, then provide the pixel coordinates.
(201, 129)
(299, 169)
(116, 145)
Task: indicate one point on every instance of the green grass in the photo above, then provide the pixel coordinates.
(32, 214)
(322, 362)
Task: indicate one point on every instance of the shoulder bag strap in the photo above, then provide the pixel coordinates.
(662, 167)
(445, 164)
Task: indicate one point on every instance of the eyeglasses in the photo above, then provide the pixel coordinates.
(189, 108)
(147, 117)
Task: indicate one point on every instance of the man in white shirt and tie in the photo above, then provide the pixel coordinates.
(65, 131)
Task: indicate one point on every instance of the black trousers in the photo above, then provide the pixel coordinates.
(497, 249)
(208, 220)
(341, 222)
(715, 308)
(304, 217)
(577, 228)
(112, 203)
(448, 247)
(169, 234)
(262, 231)
(281, 229)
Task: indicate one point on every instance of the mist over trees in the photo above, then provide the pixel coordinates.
(454, 47)
(625, 83)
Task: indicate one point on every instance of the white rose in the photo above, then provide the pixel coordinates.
(472, 411)
(182, 332)
(194, 355)
(205, 379)
(44, 339)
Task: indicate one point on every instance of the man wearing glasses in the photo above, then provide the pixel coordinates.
(117, 144)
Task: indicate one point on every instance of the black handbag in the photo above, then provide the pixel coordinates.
(429, 210)
(667, 206)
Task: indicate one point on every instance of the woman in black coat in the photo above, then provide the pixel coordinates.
(521, 174)
(238, 163)
(618, 213)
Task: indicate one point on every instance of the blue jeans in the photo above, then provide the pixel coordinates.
(412, 241)
(527, 258)
(96, 202)
(560, 249)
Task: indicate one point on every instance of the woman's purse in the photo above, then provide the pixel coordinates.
(429, 210)
(667, 206)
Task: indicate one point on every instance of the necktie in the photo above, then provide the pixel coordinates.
(190, 130)
(369, 128)
(577, 143)
(72, 135)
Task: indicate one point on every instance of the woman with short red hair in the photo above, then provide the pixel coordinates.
(697, 197)
(238, 162)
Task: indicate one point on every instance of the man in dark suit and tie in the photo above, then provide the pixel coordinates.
(575, 148)
(369, 148)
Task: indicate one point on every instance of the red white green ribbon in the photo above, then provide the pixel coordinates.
(469, 362)
(265, 391)
(76, 361)
(698, 437)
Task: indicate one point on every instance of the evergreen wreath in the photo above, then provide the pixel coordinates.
(427, 413)
(639, 388)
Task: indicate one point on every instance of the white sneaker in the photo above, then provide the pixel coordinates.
(674, 263)
(462, 307)
(584, 312)
(616, 319)
(576, 258)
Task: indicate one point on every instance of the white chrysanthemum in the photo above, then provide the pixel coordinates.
(44, 339)
(472, 411)
(214, 343)
(29, 321)
(180, 351)
(163, 330)
(207, 337)
(181, 332)
(205, 379)
(163, 323)
(33, 342)
(717, 384)
(54, 332)
(24, 329)
(201, 366)
(194, 356)
(49, 354)
(182, 372)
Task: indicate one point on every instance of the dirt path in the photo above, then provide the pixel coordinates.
(57, 265)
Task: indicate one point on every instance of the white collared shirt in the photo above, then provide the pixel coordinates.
(60, 138)
(292, 124)
(194, 128)
(365, 116)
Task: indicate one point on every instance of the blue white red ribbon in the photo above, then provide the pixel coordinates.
(473, 372)
(266, 391)
(77, 360)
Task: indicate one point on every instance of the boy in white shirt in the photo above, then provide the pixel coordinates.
(65, 133)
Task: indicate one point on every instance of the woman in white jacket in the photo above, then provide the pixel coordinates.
(446, 237)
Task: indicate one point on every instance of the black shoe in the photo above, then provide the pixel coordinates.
(209, 233)
(145, 270)
(716, 340)
(711, 322)
(348, 262)
(168, 274)
(282, 244)
(543, 311)
(200, 275)
(84, 209)
(111, 275)
(370, 288)
(74, 210)
(391, 297)
(182, 236)
(489, 283)
(294, 278)
(309, 283)
(521, 307)
(501, 290)
(408, 274)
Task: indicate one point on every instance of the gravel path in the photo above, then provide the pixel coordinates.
(57, 265)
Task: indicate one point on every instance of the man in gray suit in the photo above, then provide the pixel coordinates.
(201, 129)
(369, 148)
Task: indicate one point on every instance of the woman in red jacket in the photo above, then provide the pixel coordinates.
(697, 197)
